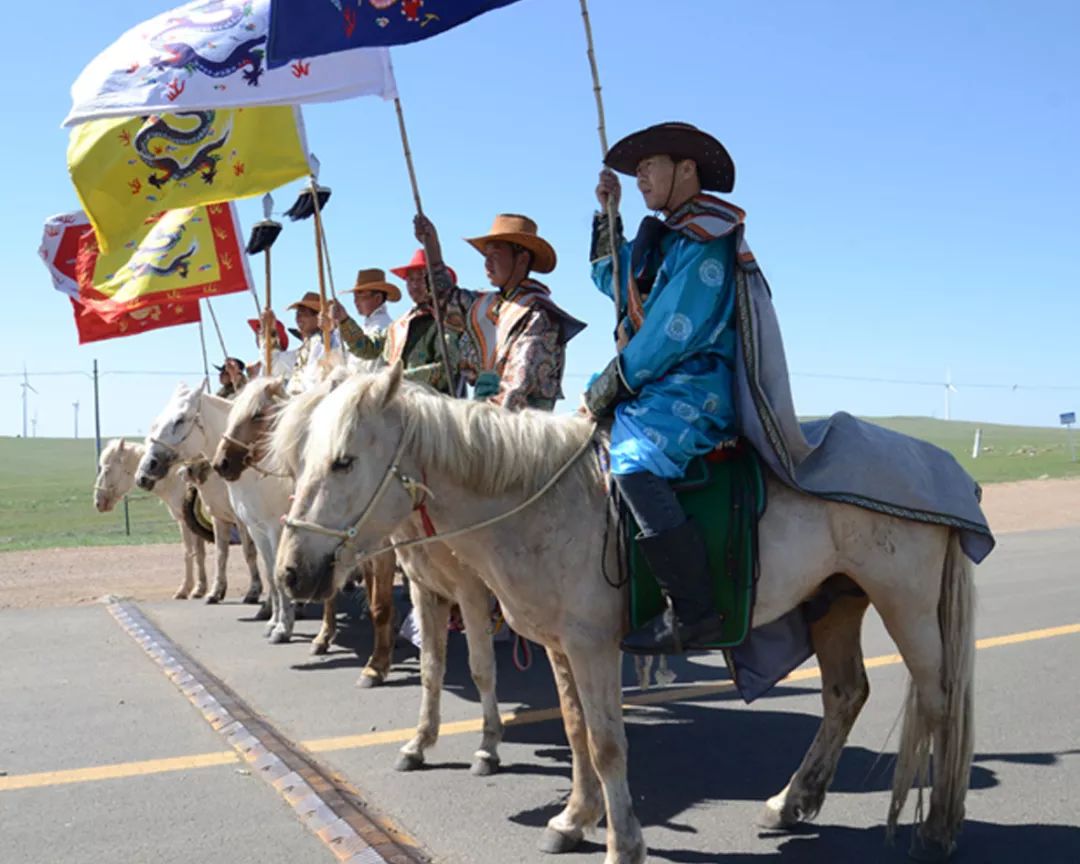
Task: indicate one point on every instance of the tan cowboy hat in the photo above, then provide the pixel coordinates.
(374, 279)
(716, 170)
(521, 231)
(308, 301)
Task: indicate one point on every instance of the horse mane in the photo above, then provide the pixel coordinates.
(484, 447)
(290, 427)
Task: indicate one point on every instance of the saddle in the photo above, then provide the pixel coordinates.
(724, 491)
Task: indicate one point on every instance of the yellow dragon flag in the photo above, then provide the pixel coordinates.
(128, 170)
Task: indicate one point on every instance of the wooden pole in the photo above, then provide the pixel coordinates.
(205, 362)
(268, 351)
(217, 329)
(323, 305)
(451, 378)
(602, 129)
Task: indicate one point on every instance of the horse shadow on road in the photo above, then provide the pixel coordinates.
(684, 757)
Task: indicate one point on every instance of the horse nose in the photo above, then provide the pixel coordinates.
(144, 481)
(223, 466)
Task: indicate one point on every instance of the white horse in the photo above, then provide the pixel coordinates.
(544, 564)
(436, 581)
(242, 446)
(116, 477)
(188, 430)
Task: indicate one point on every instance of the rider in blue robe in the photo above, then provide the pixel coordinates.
(669, 389)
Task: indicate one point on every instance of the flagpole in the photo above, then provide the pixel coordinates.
(205, 362)
(217, 329)
(333, 290)
(323, 305)
(268, 350)
(451, 378)
(602, 130)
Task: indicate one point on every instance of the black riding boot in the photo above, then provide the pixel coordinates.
(679, 561)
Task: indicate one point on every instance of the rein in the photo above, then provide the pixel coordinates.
(418, 493)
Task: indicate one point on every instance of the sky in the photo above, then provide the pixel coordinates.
(910, 171)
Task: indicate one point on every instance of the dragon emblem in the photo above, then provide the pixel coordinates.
(205, 160)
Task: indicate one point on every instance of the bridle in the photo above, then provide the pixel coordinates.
(419, 493)
(196, 423)
(250, 459)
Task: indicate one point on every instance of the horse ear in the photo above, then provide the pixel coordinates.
(277, 388)
(393, 383)
(120, 446)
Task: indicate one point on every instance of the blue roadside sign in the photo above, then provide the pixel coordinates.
(1068, 419)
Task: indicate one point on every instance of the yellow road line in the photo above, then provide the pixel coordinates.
(114, 772)
(395, 736)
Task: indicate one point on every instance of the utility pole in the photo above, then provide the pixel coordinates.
(97, 425)
(75, 405)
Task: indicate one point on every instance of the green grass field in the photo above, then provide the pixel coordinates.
(46, 485)
(47, 500)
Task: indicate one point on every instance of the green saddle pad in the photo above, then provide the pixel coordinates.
(725, 495)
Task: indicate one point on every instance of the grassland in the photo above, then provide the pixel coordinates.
(46, 497)
(46, 500)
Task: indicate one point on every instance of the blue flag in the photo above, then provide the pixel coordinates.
(301, 29)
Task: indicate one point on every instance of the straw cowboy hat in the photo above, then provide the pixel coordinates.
(419, 262)
(521, 231)
(716, 170)
(308, 301)
(374, 279)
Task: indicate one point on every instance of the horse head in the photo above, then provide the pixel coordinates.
(247, 427)
(116, 473)
(174, 436)
(344, 503)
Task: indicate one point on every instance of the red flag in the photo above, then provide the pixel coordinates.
(60, 250)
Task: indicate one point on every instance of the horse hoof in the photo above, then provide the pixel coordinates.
(554, 842)
(198, 593)
(484, 765)
(180, 595)
(264, 612)
(251, 598)
(319, 647)
(367, 680)
(772, 819)
(409, 762)
(928, 851)
(212, 600)
(279, 636)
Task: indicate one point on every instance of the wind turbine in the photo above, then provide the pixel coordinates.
(33, 423)
(949, 390)
(25, 387)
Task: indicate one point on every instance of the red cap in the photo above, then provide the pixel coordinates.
(282, 338)
(419, 262)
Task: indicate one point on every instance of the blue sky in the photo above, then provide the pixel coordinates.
(910, 172)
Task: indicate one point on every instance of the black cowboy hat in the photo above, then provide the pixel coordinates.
(235, 360)
(716, 170)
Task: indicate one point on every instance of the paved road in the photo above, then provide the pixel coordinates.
(78, 692)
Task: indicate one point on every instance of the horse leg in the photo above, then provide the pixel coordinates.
(379, 577)
(473, 598)
(586, 805)
(321, 643)
(596, 671)
(934, 628)
(189, 540)
(434, 612)
(844, 690)
(251, 557)
(199, 547)
(282, 608)
(221, 579)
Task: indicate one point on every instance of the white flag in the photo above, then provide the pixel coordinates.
(212, 54)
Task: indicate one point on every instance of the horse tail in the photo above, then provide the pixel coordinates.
(192, 517)
(949, 730)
